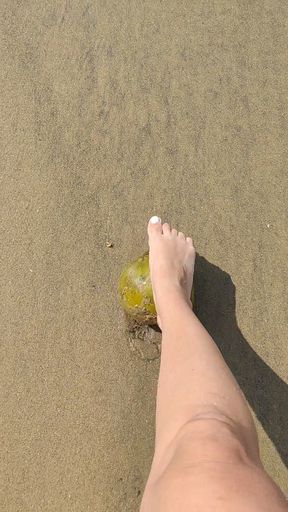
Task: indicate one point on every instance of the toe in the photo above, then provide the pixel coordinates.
(181, 235)
(154, 226)
(189, 240)
(174, 232)
(166, 229)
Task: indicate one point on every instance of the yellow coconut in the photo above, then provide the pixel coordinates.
(135, 292)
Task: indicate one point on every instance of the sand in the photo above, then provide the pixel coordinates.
(112, 112)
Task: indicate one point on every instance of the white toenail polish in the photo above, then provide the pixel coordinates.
(155, 219)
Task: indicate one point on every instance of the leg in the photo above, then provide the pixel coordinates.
(205, 436)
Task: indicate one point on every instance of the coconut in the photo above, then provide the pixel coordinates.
(135, 292)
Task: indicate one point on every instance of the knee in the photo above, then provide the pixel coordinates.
(209, 437)
(204, 446)
(209, 442)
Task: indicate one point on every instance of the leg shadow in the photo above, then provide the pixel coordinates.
(266, 393)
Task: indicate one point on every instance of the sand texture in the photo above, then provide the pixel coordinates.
(112, 111)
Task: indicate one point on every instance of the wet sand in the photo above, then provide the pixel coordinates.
(111, 112)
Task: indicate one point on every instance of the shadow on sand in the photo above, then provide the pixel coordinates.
(266, 393)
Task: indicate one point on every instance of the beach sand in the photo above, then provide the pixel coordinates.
(112, 112)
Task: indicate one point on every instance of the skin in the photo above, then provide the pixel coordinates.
(206, 448)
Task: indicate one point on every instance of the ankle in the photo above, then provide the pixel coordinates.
(174, 300)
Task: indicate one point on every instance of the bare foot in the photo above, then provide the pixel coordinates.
(171, 261)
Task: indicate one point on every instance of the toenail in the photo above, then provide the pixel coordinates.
(154, 219)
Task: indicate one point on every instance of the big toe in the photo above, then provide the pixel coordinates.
(154, 226)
